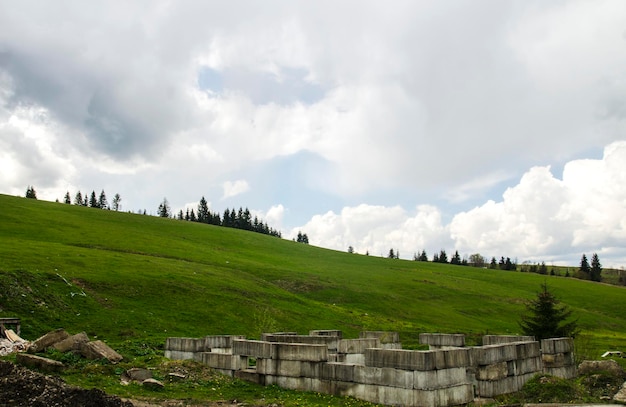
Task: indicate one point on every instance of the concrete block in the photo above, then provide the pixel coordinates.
(530, 365)
(435, 379)
(298, 351)
(557, 345)
(354, 359)
(99, 350)
(396, 396)
(251, 376)
(385, 337)
(71, 342)
(500, 339)
(557, 360)
(337, 371)
(565, 372)
(448, 358)
(491, 354)
(38, 362)
(384, 376)
(462, 394)
(179, 355)
(527, 350)
(220, 341)
(329, 341)
(442, 340)
(400, 359)
(185, 344)
(293, 383)
(256, 349)
(357, 345)
(47, 340)
(327, 332)
(496, 371)
(222, 361)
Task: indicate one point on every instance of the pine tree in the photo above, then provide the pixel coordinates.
(584, 267)
(164, 209)
(203, 211)
(456, 258)
(546, 318)
(596, 268)
(78, 199)
(67, 198)
(443, 257)
(93, 201)
(102, 201)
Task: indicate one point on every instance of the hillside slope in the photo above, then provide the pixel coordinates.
(124, 276)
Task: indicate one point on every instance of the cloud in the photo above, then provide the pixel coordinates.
(542, 218)
(234, 188)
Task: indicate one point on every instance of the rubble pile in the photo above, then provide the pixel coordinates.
(12, 343)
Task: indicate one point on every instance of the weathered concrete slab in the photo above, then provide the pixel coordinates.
(384, 376)
(565, 372)
(250, 375)
(298, 351)
(491, 354)
(219, 341)
(495, 371)
(557, 360)
(357, 345)
(435, 379)
(38, 362)
(329, 341)
(557, 345)
(337, 371)
(500, 339)
(327, 332)
(99, 350)
(73, 342)
(255, 349)
(47, 340)
(180, 355)
(400, 359)
(221, 361)
(186, 344)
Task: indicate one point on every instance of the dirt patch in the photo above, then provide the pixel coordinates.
(20, 386)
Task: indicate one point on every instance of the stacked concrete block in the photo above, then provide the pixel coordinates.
(558, 357)
(184, 348)
(353, 350)
(500, 339)
(388, 340)
(329, 341)
(442, 341)
(326, 332)
(504, 368)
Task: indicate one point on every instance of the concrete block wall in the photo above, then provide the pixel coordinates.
(324, 362)
(557, 356)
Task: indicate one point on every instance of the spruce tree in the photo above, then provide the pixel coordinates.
(102, 201)
(596, 268)
(67, 198)
(546, 318)
(584, 267)
(30, 192)
(93, 201)
(78, 199)
(203, 211)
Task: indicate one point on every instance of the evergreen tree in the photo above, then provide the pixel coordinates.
(493, 264)
(584, 267)
(443, 257)
(192, 216)
(391, 254)
(350, 249)
(116, 202)
(456, 258)
(435, 258)
(164, 210)
(546, 318)
(542, 268)
(30, 192)
(102, 201)
(203, 211)
(423, 256)
(86, 201)
(181, 216)
(596, 268)
(67, 198)
(93, 201)
(78, 199)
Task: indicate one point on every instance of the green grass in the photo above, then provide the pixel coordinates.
(146, 278)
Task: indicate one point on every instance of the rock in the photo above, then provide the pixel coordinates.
(73, 342)
(38, 362)
(620, 397)
(47, 340)
(611, 366)
(99, 350)
(152, 384)
(139, 374)
(176, 377)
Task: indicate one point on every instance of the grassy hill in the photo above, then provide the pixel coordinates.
(134, 278)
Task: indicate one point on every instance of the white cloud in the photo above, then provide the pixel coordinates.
(234, 188)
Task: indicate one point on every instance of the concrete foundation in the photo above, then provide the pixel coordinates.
(375, 368)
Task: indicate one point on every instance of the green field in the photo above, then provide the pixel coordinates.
(133, 280)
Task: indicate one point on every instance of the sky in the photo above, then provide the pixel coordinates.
(478, 126)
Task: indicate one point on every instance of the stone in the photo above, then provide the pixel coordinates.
(73, 342)
(47, 340)
(152, 384)
(611, 366)
(620, 396)
(99, 350)
(39, 362)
